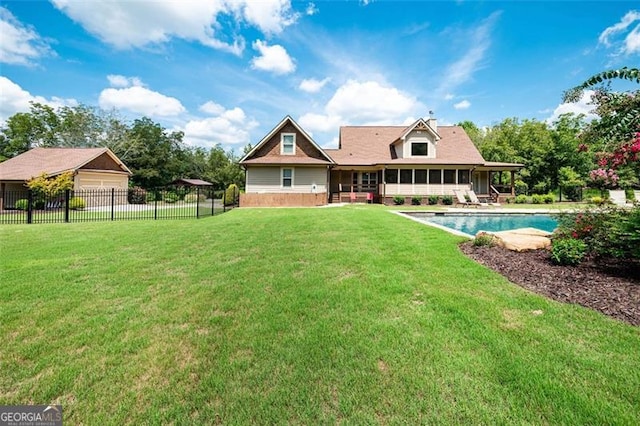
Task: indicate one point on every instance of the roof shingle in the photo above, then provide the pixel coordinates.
(51, 161)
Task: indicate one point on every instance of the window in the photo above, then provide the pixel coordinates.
(435, 176)
(449, 176)
(421, 176)
(288, 144)
(419, 148)
(369, 178)
(391, 176)
(406, 176)
(463, 176)
(287, 178)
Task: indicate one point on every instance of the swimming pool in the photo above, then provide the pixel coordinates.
(471, 223)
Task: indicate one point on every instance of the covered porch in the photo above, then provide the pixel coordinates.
(495, 182)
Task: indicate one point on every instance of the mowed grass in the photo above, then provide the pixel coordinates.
(340, 315)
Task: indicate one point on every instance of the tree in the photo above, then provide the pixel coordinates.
(475, 134)
(50, 187)
(614, 137)
(154, 155)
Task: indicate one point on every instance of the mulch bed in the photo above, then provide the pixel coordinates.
(612, 287)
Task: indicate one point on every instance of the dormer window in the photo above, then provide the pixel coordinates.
(288, 144)
(419, 149)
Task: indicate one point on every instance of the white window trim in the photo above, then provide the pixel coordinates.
(420, 142)
(293, 173)
(282, 135)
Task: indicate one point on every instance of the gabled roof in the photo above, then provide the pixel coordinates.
(371, 145)
(419, 124)
(191, 182)
(247, 159)
(52, 161)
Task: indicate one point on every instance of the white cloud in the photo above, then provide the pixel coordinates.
(270, 16)
(449, 96)
(21, 45)
(370, 102)
(122, 81)
(14, 99)
(462, 70)
(583, 106)
(319, 122)
(464, 104)
(311, 9)
(274, 58)
(312, 85)
(140, 100)
(226, 127)
(631, 43)
(361, 103)
(140, 23)
(212, 108)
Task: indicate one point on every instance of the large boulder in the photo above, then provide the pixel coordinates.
(521, 239)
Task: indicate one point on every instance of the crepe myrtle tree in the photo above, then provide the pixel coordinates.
(615, 135)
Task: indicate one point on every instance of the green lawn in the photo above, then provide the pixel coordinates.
(338, 315)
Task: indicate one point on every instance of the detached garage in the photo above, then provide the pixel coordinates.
(92, 168)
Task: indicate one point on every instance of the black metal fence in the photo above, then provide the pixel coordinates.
(114, 204)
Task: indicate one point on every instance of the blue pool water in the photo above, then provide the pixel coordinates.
(472, 223)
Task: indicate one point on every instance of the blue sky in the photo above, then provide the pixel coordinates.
(227, 71)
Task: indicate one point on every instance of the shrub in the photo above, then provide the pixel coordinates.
(521, 187)
(193, 197)
(170, 197)
(398, 200)
(230, 194)
(510, 200)
(521, 199)
(137, 195)
(598, 201)
(447, 200)
(22, 204)
(537, 199)
(433, 200)
(153, 196)
(540, 188)
(568, 251)
(572, 193)
(483, 239)
(549, 198)
(416, 200)
(77, 203)
(607, 231)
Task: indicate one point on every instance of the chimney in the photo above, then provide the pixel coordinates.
(432, 122)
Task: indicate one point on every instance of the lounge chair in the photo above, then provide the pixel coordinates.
(475, 200)
(461, 199)
(636, 194)
(618, 198)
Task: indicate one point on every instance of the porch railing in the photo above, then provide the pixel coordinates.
(359, 188)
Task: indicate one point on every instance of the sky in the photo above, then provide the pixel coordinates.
(227, 71)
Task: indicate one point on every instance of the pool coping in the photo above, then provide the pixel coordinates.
(457, 211)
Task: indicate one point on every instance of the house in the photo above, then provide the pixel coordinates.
(92, 168)
(371, 163)
(286, 168)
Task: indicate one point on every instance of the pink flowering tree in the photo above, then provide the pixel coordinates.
(615, 135)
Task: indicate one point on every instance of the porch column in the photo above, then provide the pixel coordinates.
(2, 188)
(513, 186)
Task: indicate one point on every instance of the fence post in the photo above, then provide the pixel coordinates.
(155, 203)
(212, 192)
(197, 202)
(30, 206)
(67, 197)
(113, 203)
(224, 200)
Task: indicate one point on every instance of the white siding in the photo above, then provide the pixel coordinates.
(423, 137)
(268, 179)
